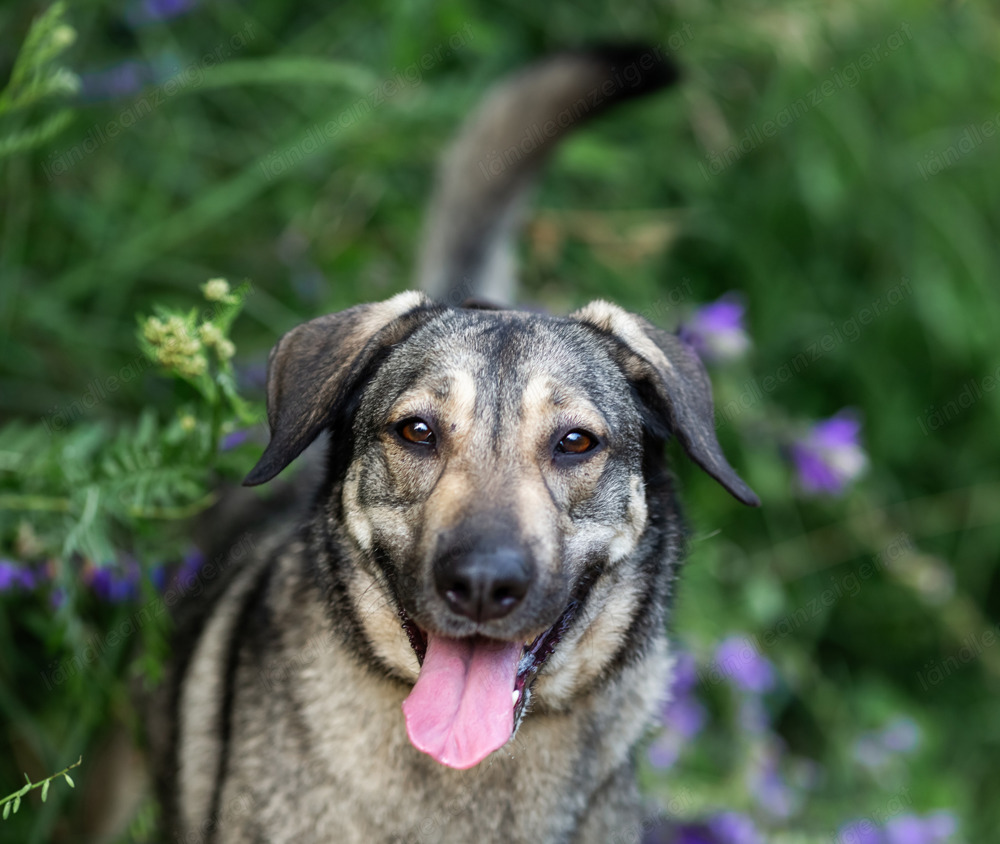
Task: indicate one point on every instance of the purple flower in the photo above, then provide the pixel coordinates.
(115, 582)
(685, 674)
(901, 735)
(906, 829)
(716, 331)
(152, 11)
(163, 9)
(734, 828)
(877, 749)
(683, 720)
(769, 789)
(941, 825)
(870, 752)
(665, 750)
(828, 457)
(158, 577)
(15, 576)
(861, 831)
(190, 567)
(682, 716)
(686, 716)
(693, 834)
(738, 660)
(723, 828)
(234, 439)
(118, 81)
(936, 828)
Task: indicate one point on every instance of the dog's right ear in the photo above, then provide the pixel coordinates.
(313, 367)
(677, 384)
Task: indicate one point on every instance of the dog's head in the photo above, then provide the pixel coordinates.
(491, 475)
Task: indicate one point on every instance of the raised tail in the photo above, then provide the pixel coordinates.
(483, 179)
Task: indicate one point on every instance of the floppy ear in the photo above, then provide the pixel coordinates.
(680, 386)
(312, 368)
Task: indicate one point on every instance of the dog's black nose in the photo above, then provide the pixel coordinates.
(483, 585)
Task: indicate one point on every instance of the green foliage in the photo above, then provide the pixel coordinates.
(12, 802)
(36, 78)
(834, 164)
(94, 488)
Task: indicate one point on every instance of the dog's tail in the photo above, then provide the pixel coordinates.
(484, 176)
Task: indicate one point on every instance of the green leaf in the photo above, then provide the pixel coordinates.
(17, 142)
(45, 789)
(69, 780)
(17, 803)
(6, 811)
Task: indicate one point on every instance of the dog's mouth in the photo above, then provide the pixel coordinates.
(472, 693)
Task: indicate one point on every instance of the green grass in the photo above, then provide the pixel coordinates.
(875, 191)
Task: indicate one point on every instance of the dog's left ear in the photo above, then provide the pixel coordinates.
(312, 369)
(670, 377)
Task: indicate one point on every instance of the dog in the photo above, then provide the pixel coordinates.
(461, 635)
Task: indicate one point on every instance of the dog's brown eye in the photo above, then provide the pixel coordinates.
(416, 431)
(576, 442)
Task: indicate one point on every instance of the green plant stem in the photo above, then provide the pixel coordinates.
(181, 512)
(34, 502)
(15, 798)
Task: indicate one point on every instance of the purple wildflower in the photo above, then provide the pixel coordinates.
(738, 660)
(234, 439)
(870, 752)
(941, 824)
(665, 750)
(861, 831)
(163, 9)
(906, 829)
(158, 577)
(685, 674)
(152, 11)
(682, 716)
(715, 331)
(694, 834)
(187, 574)
(115, 582)
(876, 749)
(829, 456)
(769, 788)
(734, 828)
(936, 828)
(683, 719)
(15, 576)
(115, 82)
(901, 735)
(686, 716)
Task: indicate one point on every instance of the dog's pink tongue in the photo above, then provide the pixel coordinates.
(461, 708)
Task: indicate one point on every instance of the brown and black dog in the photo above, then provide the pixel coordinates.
(488, 562)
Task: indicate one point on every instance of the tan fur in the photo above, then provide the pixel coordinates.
(287, 715)
(201, 696)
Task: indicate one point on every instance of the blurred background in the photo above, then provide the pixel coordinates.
(816, 208)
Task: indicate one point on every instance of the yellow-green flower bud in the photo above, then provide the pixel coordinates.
(216, 289)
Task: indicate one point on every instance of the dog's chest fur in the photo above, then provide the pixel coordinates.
(316, 713)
